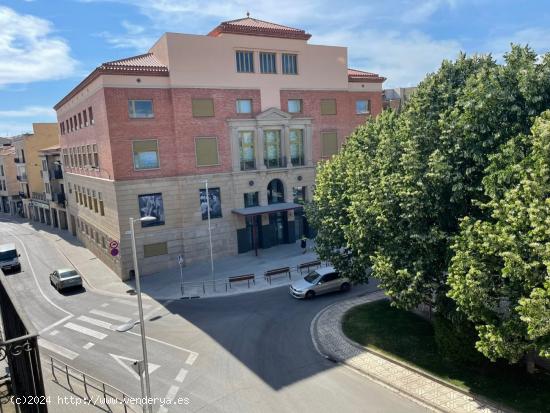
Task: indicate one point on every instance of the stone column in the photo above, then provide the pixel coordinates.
(286, 145)
(235, 154)
(260, 148)
(308, 145)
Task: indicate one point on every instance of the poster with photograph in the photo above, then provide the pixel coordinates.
(151, 205)
(215, 203)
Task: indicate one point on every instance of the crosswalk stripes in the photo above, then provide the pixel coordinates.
(95, 322)
(85, 330)
(111, 316)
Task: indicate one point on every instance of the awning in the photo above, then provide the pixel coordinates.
(266, 209)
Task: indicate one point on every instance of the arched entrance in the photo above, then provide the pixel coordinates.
(275, 192)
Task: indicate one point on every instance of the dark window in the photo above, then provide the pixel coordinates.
(251, 199)
(290, 64)
(245, 61)
(268, 62)
(275, 192)
(91, 115)
(330, 277)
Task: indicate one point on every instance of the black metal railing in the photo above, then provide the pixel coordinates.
(20, 349)
(39, 196)
(57, 173)
(59, 197)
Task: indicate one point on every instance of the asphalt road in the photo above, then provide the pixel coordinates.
(246, 353)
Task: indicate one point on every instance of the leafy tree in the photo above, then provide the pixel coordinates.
(500, 273)
(395, 194)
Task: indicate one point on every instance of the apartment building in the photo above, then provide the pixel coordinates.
(54, 186)
(29, 169)
(249, 108)
(10, 201)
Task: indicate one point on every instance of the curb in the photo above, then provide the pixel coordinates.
(386, 383)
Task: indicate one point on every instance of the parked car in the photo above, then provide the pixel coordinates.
(320, 281)
(65, 278)
(9, 258)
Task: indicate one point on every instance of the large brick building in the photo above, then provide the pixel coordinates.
(251, 107)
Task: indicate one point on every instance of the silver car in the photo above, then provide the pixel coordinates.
(65, 278)
(320, 281)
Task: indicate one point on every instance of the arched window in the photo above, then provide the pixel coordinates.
(275, 192)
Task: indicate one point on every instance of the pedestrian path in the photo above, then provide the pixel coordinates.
(330, 341)
(90, 328)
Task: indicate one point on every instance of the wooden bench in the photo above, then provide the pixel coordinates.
(308, 265)
(277, 271)
(244, 277)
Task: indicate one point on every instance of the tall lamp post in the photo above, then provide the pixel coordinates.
(140, 309)
(210, 235)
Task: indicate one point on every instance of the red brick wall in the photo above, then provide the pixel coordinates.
(174, 127)
(98, 133)
(345, 120)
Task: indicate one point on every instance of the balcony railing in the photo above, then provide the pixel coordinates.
(279, 162)
(59, 197)
(56, 173)
(39, 196)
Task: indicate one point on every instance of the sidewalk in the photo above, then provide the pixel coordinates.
(198, 280)
(330, 342)
(197, 277)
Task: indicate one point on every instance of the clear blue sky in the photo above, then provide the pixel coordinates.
(48, 46)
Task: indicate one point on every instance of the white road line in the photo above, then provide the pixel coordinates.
(54, 332)
(85, 330)
(88, 346)
(192, 354)
(95, 322)
(104, 305)
(36, 279)
(181, 376)
(56, 348)
(111, 316)
(130, 303)
(55, 324)
(172, 391)
(191, 358)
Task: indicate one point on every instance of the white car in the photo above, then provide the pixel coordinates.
(65, 278)
(320, 281)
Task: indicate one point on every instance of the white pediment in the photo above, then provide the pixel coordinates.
(273, 114)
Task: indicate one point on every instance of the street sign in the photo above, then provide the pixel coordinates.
(114, 252)
(180, 260)
(113, 244)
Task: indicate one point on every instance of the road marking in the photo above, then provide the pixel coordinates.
(95, 322)
(191, 358)
(88, 346)
(193, 353)
(127, 364)
(54, 332)
(36, 279)
(130, 303)
(111, 316)
(55, 324)
(172, 391)
(85, 330)
(104, 305)
(181, 376)
(56, 348)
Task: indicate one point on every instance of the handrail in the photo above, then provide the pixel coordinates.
(88, 382)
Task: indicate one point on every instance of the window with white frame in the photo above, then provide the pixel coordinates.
(146, 154)
(246, 150)
(290, 64)
(295, 106)
(268, 62)
(244, 105)
(245, 61)
(140, 109)
(362, 107)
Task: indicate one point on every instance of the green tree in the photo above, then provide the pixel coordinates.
(395, 194)
(500, 273)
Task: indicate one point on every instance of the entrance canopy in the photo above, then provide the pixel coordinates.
(266, 209)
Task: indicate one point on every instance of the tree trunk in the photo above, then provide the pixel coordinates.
(530, 362)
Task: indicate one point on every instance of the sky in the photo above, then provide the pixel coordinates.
(48, 46)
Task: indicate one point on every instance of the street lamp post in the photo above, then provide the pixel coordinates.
(140, 309)
(210, 235)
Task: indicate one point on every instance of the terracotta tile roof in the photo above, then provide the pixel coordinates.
(355, 75)
(143, 62)
(256, 27)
